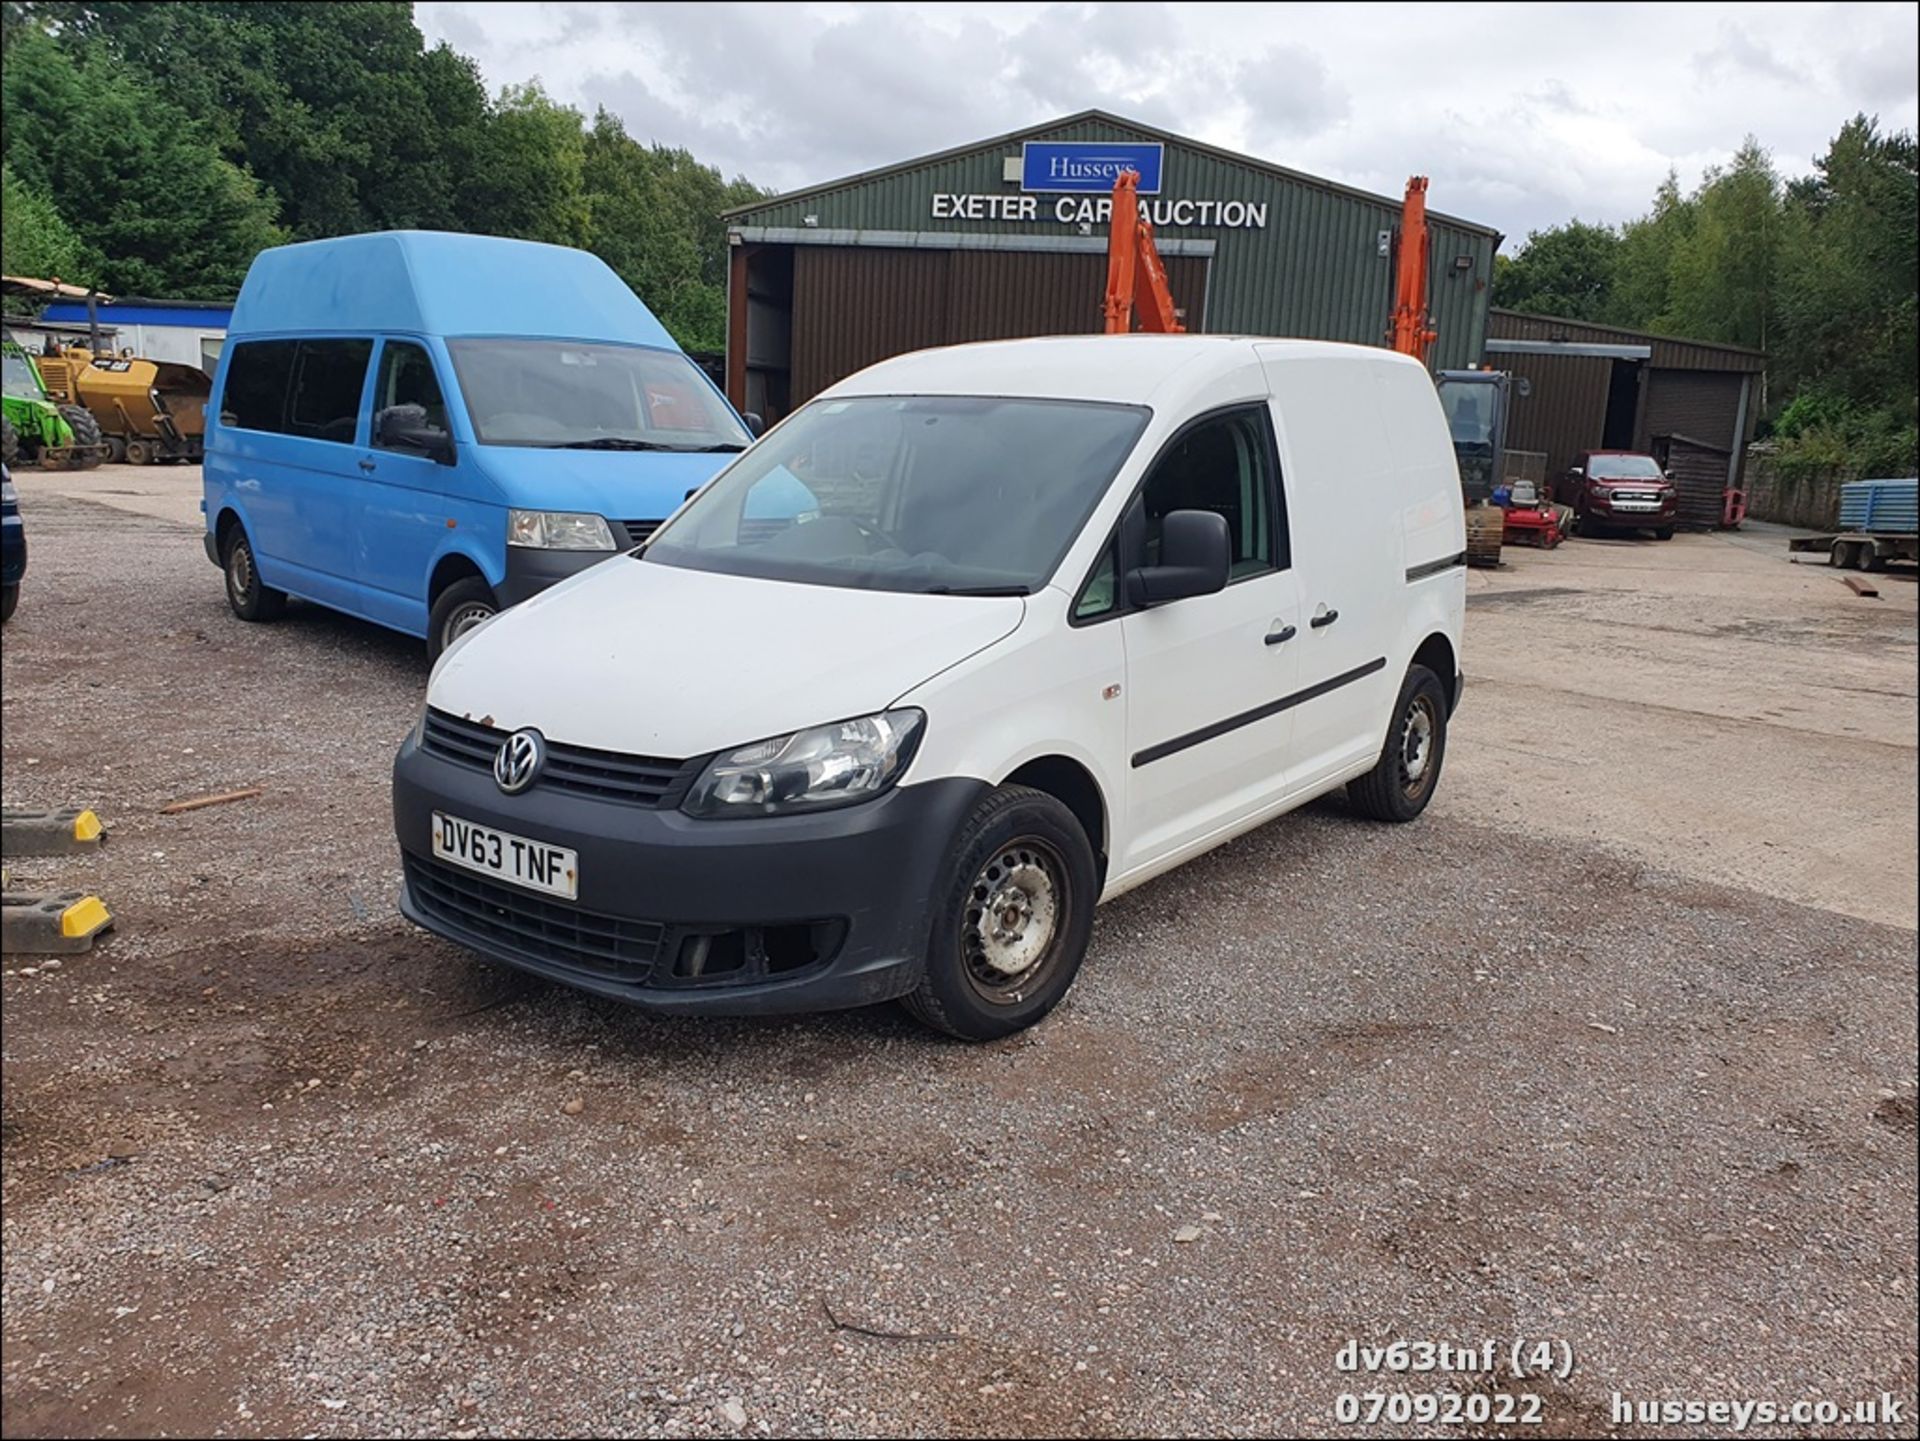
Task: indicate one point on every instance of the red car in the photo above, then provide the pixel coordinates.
(1620, 490)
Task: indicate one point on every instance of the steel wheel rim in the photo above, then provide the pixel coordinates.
(1417, 736)
(239, 571)
(1014, 921)
(464, 619)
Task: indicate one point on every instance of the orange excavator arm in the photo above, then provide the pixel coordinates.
(1411, 331)
(1136, 280)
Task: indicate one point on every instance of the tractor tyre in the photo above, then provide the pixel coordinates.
(116, 449)
(139, 452)
(9, 443)
(86, 436)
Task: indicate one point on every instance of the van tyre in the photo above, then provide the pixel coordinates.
(1664, 533)
(457, 610)
(1402, 782)
(1012, 915)
(9, 600)
(251, 598)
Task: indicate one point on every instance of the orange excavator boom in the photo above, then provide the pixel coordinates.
(1411, 330)
(1136, 280)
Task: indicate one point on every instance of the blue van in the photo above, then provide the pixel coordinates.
(423, 429)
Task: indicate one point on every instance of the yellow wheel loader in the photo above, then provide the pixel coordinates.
(147, 410)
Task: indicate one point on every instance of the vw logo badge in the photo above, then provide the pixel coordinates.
(517, 763)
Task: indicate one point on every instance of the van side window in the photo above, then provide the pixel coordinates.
(1097, 595)
(327, 381)
(1223, 464)
(258, 377)
(406, 379)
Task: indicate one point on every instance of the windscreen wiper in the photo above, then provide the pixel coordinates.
(610, 442)
(977, 590)
(725, 446)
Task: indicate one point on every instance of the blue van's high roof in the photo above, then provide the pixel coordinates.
(435, 283)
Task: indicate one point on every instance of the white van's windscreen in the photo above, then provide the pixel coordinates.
(573, 395)
(935, 494)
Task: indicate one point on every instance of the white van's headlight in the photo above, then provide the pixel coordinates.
(557, 530)
(810, 770)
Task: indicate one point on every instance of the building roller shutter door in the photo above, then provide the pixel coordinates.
(854, 305)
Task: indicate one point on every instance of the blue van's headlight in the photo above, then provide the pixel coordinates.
(809, 770)
(557, 530)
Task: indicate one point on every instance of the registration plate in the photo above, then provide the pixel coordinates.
(553, 870)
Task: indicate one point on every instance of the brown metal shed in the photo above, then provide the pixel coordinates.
(1601, 387)
(853, 307)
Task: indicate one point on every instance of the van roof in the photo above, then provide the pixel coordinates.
(1125, 368)
(432, 282)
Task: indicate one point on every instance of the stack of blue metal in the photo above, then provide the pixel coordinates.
(1881, 506)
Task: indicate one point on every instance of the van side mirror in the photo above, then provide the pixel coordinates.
(1576, 472)
(405, 427)
(1195, 559)
(756, 423)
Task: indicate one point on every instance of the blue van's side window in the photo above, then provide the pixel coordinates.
(407, 379)
(327, 382)
(258, 375)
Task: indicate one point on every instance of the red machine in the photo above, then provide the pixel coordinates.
(1530, 519)
(1136, 280)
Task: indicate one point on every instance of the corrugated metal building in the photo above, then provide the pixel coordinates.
(1598, 387)
(1007, 237)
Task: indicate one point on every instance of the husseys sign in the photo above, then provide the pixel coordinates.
(1068, 182)
(1076, 165)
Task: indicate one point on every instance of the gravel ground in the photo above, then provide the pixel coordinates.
(274, 1162)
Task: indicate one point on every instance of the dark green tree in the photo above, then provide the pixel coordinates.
(1568, 270)
(339, 108)
(134, 176)
(1722, 278)
(37, 241)
(1848, 274)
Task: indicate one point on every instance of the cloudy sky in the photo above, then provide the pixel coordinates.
(1522, 114)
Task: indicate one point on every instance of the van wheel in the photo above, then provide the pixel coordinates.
(1011, 918)
(1400, 785)
(9, 599)
(461, 606)
(250, 597)
(1664, 533)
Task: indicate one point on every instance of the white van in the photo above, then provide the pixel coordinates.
(977, 639)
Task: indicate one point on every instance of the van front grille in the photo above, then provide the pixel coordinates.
(506, 919)
(605, 775)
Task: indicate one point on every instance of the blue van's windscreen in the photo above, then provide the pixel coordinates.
(573, 394)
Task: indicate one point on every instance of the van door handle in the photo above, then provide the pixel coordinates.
(366, 465)
(1326, 617)
(1281, 636)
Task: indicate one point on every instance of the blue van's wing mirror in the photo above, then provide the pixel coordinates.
(756, 424)
(406, 427)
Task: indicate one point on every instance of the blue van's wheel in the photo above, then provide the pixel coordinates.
(250, 597)
(461, 606)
